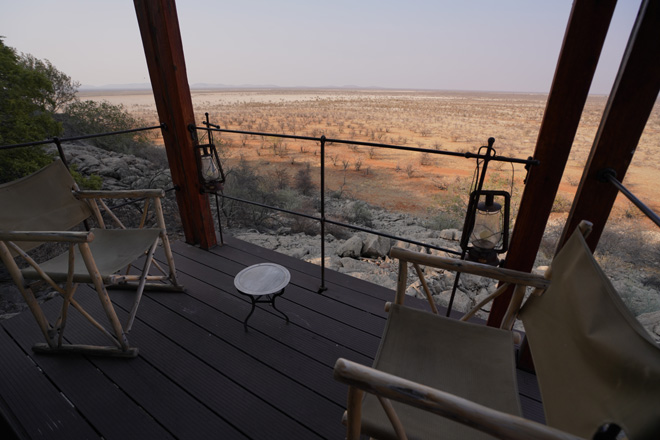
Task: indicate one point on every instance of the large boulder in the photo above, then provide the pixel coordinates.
(351, 265)
(376, 246)
(351, 248)
(450, 234)
(651, 322)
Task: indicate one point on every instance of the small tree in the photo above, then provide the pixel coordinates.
(90, 117)
(23, 116)
(304, 182)
(63, 90)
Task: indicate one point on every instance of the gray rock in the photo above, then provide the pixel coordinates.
(85, 162)
(376, 246)
(450, 234)
(351, 265)
(299, 253)
(332, 262)
(351, 247)
(651, 322)
(462, 301)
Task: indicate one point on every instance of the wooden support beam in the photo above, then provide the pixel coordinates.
(583, 41)
(632, 99)
(161, 38)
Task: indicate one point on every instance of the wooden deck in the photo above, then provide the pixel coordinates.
(199, 374)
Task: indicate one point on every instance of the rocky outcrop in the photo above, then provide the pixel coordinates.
(118, 171)
(651, 322)
(360, 255)
(124, 171)
(364, 256)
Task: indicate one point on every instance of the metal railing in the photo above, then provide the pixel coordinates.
(322, 219)
(58, 141)
(609, 175)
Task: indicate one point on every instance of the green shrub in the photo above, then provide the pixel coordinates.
(443, 220)
(92, 182)
(20, 162)
(90, 117)
(359, 213)
(245, 183)
(303, 180)
(561, 204)
(23, 116)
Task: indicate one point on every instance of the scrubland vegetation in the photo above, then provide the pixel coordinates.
(38, 102)
(433, 187)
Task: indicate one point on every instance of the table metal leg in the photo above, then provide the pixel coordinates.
(269, 300)
(276, 309)
(254, 303)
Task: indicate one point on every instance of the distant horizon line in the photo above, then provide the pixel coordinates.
(210, 86)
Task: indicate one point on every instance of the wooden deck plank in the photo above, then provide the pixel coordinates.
(528, 385)
(199, 366)
(362, 286)
(47, 414)
(296, 303)
(304, 338)
(253, 375)
(113, 413)
(199, 374)
(351, 300)
(239, 250)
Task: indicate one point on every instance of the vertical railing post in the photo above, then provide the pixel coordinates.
(322, 288)
(60, 151)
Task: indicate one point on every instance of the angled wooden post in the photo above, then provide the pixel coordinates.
(632, 99)
(583, 41)
(161, 38)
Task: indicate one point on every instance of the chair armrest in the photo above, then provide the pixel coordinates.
(456, 265)
(482, 418)
(63, 236)
(121, 194)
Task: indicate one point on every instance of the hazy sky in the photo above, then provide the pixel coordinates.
(497, 45)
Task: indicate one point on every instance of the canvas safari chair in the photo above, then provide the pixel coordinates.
(44, 207)
(598, 369)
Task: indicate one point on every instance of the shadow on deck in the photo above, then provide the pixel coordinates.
(199, 374)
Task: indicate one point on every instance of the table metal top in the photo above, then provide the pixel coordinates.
(262, 279)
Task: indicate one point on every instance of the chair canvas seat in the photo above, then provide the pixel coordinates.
(47, 206)
(113, 249)
(472, 361)
(598, 361)
(598, 369)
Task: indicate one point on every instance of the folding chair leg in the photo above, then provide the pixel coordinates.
(90, 350)
(140, 288)
(61, 322)
(166, 242)
(354, 413)
(103, 295)
(26, 292)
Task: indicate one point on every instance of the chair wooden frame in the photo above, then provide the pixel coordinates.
(388, 388)
(82, 246)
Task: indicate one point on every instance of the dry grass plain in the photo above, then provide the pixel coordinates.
(430, 186)
(414, 182)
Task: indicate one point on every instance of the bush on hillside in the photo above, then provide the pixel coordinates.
(23, 117)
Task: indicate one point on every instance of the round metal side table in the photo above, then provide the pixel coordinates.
(262, 283)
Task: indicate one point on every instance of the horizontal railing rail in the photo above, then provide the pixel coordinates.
(322, 219)
(56, 139)
(466, 155)
(609, 175)
(58, 143)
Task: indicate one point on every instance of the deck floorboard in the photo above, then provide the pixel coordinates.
(199, 374)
